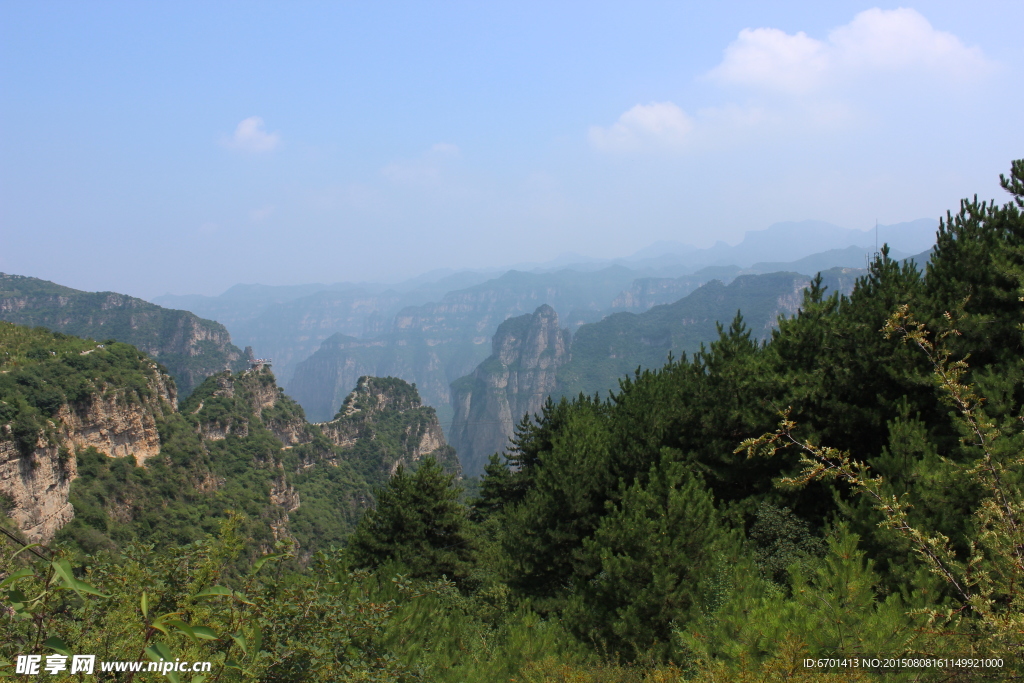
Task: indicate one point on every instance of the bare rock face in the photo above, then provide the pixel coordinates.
(514, 381)
(117, 429)
(36, 488)
(190, 347)
(284, 495)
(37, 484)
(389, 412)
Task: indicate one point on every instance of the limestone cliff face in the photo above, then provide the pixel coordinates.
(37, 489)
(514, 381)
(37, 484)
(115, 427)
(257, 395)
(190, 347)
(434, 344)
(388, 411)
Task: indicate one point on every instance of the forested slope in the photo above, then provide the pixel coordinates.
(191, 348)
(850, 490)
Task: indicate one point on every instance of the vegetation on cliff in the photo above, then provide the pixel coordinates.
(41, 371)
(189, 347)
(849, 489)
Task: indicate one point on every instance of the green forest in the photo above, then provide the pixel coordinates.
(848, 489)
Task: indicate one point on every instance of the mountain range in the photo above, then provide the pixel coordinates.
(190, 347)
(438, 328)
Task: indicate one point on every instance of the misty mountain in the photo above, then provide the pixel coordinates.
(288, 323)
(789, 241)
(532, 358)
(436, 327)
(436, 343)
(190, 347)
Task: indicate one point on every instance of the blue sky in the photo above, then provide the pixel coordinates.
(185, 147)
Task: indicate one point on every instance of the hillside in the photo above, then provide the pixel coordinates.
(518, 376)
(189, 347)
(94, 450)
(605, 351)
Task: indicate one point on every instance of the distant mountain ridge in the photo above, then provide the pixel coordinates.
(188, 346)
(437, 327)
(289, 323)
(533, 359)
(436, 343)
(791, 241)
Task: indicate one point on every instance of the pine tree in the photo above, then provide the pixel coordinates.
(648, 561)
(419, 523)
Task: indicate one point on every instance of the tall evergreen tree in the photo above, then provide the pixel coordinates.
(418, 522)
(648, 561)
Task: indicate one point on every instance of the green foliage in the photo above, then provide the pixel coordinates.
(781, 540)
(41, 371)
(178, 604)
(649, 558)
(181, 342)
(833, 609)
(419, 523)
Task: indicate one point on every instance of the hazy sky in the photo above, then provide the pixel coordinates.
(184, 147)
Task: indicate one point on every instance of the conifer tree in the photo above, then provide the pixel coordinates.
(648, 559)
(419, 523)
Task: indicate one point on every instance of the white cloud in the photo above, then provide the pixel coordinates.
(876, 42)
(799, 84)
(261, 214)
(428, 170)
(771, 58)
(251, 136)
(446, 148)
(655, 125)
(903, 39)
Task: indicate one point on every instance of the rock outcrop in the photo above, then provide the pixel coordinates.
(514, 381)
(245, 397)
(188, 346)
(436, 343)
(388, 412)
(81, 422)
(36, 484)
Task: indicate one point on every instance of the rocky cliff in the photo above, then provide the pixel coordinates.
(434, 344)
(41, 438)
(94, 451)
(189, 347)
(514, 381)
(395, 427)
